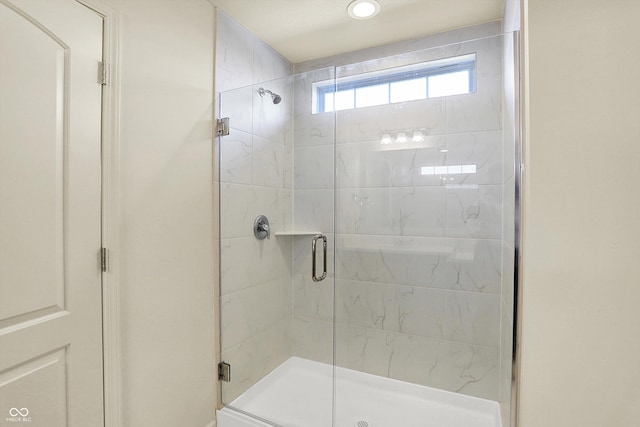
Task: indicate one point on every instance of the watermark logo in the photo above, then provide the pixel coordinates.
(18, 415)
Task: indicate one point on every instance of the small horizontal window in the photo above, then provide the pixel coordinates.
(444, 77)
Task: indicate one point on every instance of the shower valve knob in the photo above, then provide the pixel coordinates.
(261, 228)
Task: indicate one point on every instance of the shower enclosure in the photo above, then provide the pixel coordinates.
(380, 291)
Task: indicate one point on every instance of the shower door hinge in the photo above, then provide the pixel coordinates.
(222, 126)
(104, 260)
(103, 73)
(224, 372)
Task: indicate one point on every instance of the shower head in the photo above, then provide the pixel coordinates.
(274, 96)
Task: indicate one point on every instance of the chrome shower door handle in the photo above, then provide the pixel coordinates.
(324, 258)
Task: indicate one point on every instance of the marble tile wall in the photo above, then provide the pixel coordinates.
(253, 170)
(313, 208)
(418, 257)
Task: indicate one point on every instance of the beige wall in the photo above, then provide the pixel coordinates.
(581, 334)
(165, 223)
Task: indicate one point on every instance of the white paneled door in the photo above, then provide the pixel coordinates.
(50, 214)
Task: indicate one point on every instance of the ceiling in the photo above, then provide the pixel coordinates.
(302, 30)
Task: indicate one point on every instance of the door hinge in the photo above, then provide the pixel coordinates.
(224, 372)
(104, 259)
(222, 126)
(103, 73)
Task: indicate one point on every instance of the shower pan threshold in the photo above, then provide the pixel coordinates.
(299, 393)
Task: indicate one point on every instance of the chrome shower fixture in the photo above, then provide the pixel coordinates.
(274, 96)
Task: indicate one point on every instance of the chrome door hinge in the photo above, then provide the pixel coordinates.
(222, 126)
(103, 73)
(224, 372)
(104, 260)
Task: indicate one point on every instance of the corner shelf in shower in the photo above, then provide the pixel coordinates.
(297, 233)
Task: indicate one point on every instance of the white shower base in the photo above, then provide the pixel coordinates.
(299, 393)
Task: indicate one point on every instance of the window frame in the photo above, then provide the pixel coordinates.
(467, 62)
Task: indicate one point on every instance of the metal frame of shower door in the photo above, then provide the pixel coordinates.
(519, 69)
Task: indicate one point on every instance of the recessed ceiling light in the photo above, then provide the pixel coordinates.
(363, 9)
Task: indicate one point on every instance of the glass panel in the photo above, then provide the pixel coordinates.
(372, 95)
(344, 100)
(409, 90)
(419, 232)
(419, 245)
(276, 322)
(328, 102)
(449, 84)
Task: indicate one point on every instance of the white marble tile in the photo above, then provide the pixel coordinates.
(287, 166)
(313, 300)
(236, 152)
(234, 54)
(390, 259)
(371, 164)
(480, 149)
(313, 167)
(467, 369)
(406, 309)
(256, 357)
(273, 121)
(412, 211)
(472, 318)
(365, 350)
(369, 124)
(275, 204)
(315, 130)
(246, 262)
(236, 104)
(268, 163)
(457, 264)
(268, 64)
(313, 210)
(313, 339)
(285, 200)
(457, 367)
(421, 311)
(473, 265)
(242, 203)
(474, 211)
(474, 112)
(252, 310)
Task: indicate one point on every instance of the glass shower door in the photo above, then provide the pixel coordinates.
(424, 184)
(405, 165)
(276, 322)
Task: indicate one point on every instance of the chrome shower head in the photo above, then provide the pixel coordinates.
(274, 96)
